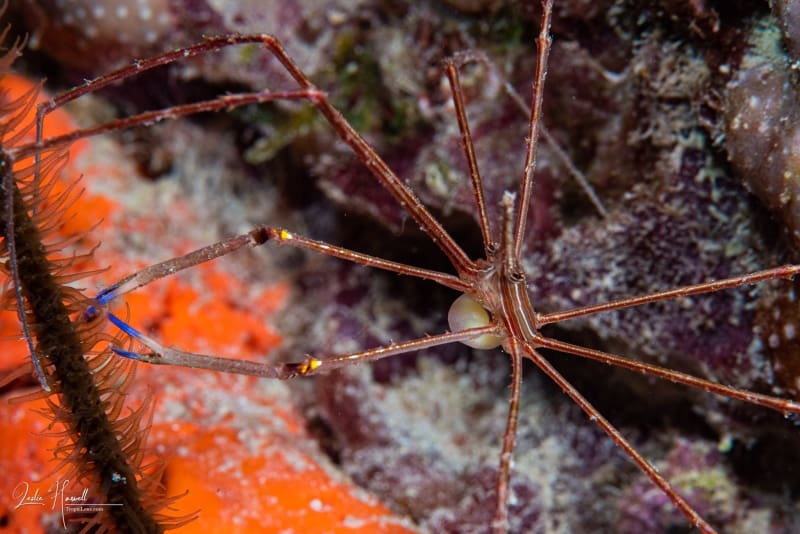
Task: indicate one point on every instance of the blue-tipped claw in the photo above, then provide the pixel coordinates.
(125, 327)
(90, 314)
(127, 353)
(107, 295)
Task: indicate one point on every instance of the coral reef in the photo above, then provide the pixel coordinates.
(205, 449)
(759, 120)
(654, 102)
(89, 34)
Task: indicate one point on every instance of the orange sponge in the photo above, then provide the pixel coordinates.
(236, 444)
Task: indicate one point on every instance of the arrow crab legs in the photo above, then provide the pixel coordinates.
(495, 309)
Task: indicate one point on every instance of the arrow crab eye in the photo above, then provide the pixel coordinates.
(465, 312)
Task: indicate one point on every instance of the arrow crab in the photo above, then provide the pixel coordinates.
(505, 291)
